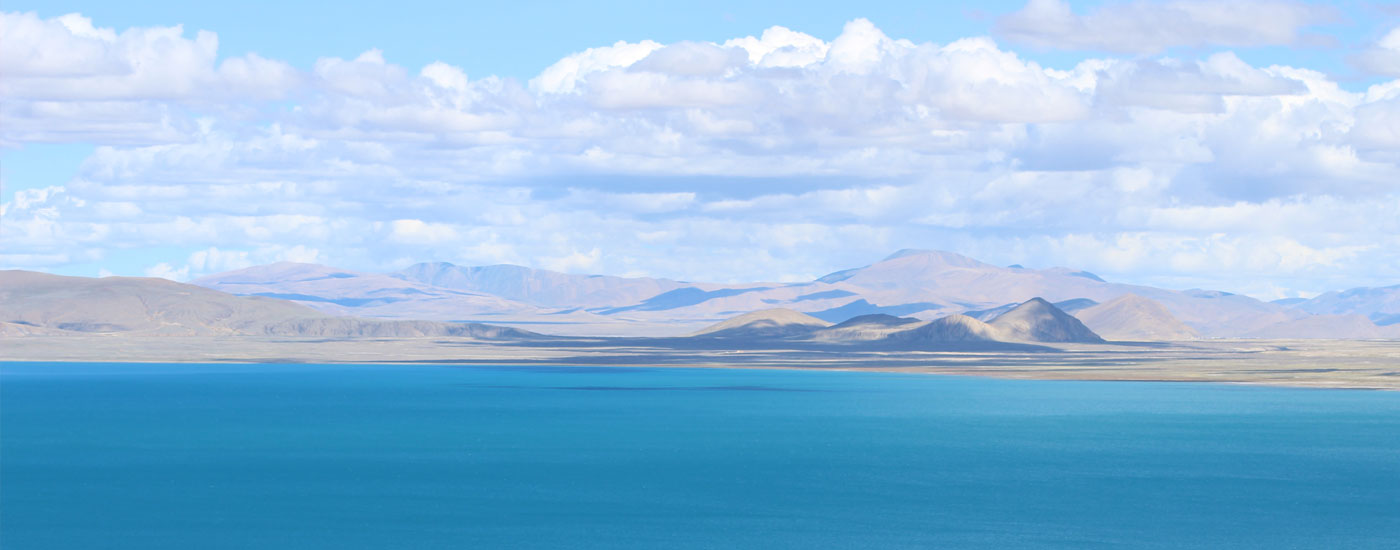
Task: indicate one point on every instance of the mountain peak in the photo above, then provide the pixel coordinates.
(941, 255)
(766, 323)
(912, 259)
(1037, 320)
(879, 319)
(953, 328)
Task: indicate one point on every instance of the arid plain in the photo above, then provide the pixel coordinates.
(1361, 364)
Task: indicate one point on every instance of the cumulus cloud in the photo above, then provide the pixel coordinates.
(67, 58)
(66, 79)
(1383, 57)
(1187, 86)
(215, 260)
(778, 156)
(1151, 27)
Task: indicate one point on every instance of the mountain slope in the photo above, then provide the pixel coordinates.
(962, 284)
(1380, 304)
(866, 328)
(1328, 326)
(1132, 317)
(1037, 320)
(42, 304)
(135, 305)
(953, 328)
(765, 324)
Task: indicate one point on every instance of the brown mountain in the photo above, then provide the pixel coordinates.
(1037, 320)
(867, 328)
(42, 304)
(953, 328)
(1132, 317)
(765, 324)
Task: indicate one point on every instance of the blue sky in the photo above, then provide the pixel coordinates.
(1247, 146)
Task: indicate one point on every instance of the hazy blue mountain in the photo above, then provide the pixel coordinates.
(1327, 326)
(1380, 304)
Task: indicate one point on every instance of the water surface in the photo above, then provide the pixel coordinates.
(329, 456)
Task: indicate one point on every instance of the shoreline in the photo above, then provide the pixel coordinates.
(1335, 364)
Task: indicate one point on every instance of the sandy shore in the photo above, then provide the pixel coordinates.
(1365, 364)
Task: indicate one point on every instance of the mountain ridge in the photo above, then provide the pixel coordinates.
(922, 284)
(41, 304)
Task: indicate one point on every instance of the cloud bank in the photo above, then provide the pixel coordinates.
(777, 156)
(1147, 28)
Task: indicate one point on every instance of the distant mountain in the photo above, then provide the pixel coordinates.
(765, 324)
(1327, 326)
(540, 287)
(42, 304)
(39, 303)
(1132, 317)
(1037, 320)
(1067, 306)
(866, 328)
(959, 284)
(1033, 321)
(348, 327)
(1379, 304)
(953, 328)
(920, 284)
(341, 292)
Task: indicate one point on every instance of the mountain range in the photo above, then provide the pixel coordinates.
(40, 304)
(1034, 321)
(923, 285)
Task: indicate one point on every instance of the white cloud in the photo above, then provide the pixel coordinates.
(767, 157)
(1377, 128)
(574, 262)
(563, 76)
(781, 47)
(66, 79)
(166, 271)
(1383, 57)
(213, 260)
(1191, 87)
(1150, 27)
(67, 58)
(420, 232)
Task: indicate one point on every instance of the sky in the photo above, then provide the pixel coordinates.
(1249, 146)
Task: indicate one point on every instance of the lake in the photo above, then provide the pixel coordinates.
(442, 456)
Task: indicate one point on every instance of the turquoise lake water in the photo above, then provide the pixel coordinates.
(325, 456)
